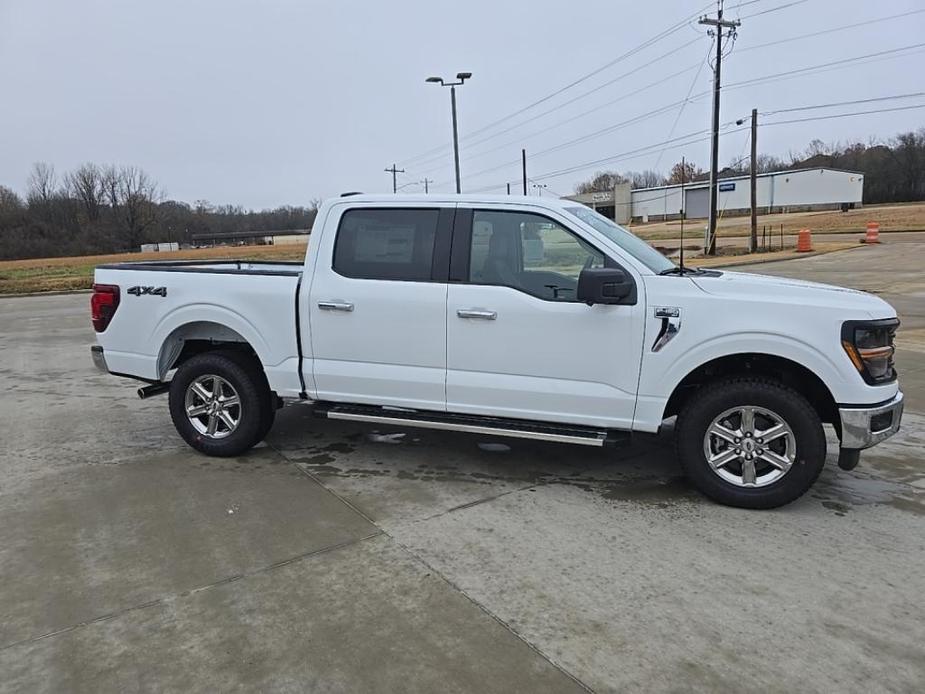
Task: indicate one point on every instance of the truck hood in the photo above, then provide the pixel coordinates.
(744, 285)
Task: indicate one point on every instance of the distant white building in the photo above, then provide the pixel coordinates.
(160, 247)
(781, 191)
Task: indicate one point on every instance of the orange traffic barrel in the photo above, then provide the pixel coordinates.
(804, 241)
(873, 233)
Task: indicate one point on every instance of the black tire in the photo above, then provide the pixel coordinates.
(250, 386)
(268, 405)
(715, 399)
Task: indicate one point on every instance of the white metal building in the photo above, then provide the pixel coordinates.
(780, 191)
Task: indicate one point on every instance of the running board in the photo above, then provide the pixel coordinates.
(473, 424)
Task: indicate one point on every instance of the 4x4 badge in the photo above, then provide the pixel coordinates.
(141, 291)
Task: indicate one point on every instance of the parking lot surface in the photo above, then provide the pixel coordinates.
(347, 558)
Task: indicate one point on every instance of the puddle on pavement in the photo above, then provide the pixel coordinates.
(843, 492)
(836, 491)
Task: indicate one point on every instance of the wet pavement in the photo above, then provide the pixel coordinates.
(341, 557)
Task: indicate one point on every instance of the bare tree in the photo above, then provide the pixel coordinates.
(133, 197)
(88, 185)
(684, 172)
(645, 179)
(767, 163)
(10, 202)
(601, 182)
(42, 183)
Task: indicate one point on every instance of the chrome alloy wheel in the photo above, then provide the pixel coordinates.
(750, 446)
(212, 406)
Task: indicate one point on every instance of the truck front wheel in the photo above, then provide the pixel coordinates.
(750, 442)
(219, 405)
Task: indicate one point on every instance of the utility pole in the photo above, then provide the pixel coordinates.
(754, 180)
(427, 182)
(394, 173)
(683, 213)
(508, 188)
(717, 32)
(523, 159)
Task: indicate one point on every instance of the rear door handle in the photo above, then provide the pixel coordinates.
(335, 306)
(479, 313)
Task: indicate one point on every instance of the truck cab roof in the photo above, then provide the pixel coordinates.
(454, 198)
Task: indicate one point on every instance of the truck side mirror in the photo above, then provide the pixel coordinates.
(606, 285)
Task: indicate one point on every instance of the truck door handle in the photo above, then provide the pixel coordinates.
(477, 313)
(335, 306)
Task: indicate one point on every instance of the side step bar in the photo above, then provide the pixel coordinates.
(473, 424)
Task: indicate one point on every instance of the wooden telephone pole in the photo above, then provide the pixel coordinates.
(394, 173)
(717, 26)
(754, 181)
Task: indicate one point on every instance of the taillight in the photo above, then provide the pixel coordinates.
(103, 304)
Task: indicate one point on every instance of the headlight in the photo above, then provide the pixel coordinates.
(869, 345)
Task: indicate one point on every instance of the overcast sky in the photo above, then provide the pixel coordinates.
(281, 101)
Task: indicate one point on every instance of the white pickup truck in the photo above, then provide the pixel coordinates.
(518, 317)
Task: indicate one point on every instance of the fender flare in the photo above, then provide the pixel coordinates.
(766, 344)
(211, 314)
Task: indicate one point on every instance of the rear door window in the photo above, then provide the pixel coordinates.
(386, 244)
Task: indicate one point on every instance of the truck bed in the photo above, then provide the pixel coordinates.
(163, 304)
(229, 267)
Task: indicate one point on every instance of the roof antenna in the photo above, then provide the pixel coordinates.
(683, 168)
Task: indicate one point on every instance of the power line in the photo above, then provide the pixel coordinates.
(684, 103)
(633, 51)
(677, 143)
(623, 97)
(844, 115)
(757, 80)
(583, 95)
(844, 103)
(774, 9)
(597, 133)
(843, 61)
(830, 31)
(822, 67)
(675, 74)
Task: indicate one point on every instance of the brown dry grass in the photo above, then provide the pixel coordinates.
(753, 258)
(909, 217)
(65, 274)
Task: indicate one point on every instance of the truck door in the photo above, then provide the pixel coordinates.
(377, 305)
(519, 344)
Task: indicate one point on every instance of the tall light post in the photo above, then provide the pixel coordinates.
(460, 77)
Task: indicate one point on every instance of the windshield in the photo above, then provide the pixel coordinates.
(625, 239)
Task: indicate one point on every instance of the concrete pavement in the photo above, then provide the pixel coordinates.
(349, 558)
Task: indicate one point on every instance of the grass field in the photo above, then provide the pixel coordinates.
(908, 217)
(63, 274)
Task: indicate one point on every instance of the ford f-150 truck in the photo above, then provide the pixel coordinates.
(518, 317)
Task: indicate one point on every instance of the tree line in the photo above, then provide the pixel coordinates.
(111, 209)
(894, 171)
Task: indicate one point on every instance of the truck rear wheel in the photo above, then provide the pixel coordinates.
(220, 403)
(750, 442)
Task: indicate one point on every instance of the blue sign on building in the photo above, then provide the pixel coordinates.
(724, 187)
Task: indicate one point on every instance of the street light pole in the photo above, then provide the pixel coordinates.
(461, 78)
(455, 138)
